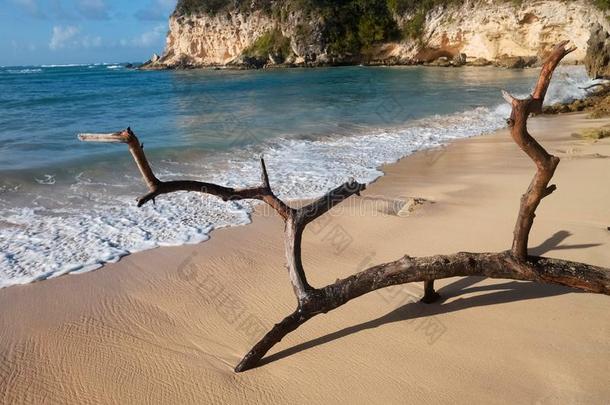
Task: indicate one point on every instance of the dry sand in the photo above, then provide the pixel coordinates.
(168, 325)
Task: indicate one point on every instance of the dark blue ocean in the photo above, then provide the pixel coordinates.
(67, 206)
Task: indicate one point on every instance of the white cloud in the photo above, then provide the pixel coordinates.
(62, 36)
(68, 37)
(147, 38)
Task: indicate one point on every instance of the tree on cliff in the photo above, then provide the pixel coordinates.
(311, 301)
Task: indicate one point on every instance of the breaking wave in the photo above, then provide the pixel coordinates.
(97, 222)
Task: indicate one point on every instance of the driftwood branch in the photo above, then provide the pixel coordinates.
(295, 219)
(409, 270)
(157, 187)
(513, 264)
(545, 162)
(334, 197)
(594, 85)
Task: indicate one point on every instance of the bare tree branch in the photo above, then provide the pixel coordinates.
(546, 74)
(327, 202)
(408, 270)
(158, 187)
(513, 264)
(136, 149)
(545, 163)
(591, 86)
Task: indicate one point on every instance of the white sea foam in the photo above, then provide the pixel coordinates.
(48, 179)
(101, 227)
(66, 65)
(23, 71)
(38, 244)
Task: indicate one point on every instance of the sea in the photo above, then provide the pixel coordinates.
(69, 207)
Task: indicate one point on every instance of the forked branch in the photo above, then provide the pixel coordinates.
(545, 162)
(513, 264)
(295, 218)
(157, 187)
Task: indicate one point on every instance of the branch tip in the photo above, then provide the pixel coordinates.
(264, 174)
(549, 190)
(508, 97)
(563, 48)
(113, 137)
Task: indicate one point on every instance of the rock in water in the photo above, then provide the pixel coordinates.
(516, 62)
(442, 61)
(459, 59)
(598, 53)
(154, 63)
(480, 62)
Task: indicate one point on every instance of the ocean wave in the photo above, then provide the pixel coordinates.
(99, 226)
(66, 65)
(107, 228)
(23, 71)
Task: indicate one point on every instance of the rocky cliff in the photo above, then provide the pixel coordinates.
(303, 32)
(598, 53)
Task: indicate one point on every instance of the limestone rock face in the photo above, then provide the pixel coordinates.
(213, 40)
(484, 30)
(221, 39)
(598, 53)
(492, 29)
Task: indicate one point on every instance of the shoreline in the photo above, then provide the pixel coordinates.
(385, 137)
(401, 139)
(488, 64)
(152, 327)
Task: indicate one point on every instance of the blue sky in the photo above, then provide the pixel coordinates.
(34, 32)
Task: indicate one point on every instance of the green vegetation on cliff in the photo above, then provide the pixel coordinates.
(349, 27)
(212, 7)
(186, 7)
(270, 43)
(602, 4)
(353, 26)
(397, 6)
(403, 6)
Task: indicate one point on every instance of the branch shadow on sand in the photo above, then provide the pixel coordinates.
(554, 243)
(501, 293)
(497, 294)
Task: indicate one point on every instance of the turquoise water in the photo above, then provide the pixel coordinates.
(68, 206)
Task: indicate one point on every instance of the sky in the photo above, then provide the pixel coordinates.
(38, 32)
